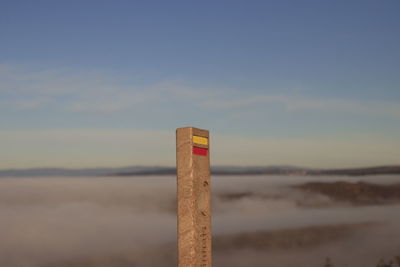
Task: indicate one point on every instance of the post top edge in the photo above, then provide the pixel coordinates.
(194, 130)
(190, 127)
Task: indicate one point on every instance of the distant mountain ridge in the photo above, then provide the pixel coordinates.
(216, 170)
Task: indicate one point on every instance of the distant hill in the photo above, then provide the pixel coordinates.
(216, 170)
(276, 170)
(358, 171)
(77, 172)
(220, 170)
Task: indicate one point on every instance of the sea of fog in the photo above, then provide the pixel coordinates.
(131, 221)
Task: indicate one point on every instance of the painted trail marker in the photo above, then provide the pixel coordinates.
(194, 201)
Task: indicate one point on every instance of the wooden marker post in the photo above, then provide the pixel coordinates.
(194, 205)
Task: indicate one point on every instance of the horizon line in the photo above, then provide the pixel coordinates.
(218, 166)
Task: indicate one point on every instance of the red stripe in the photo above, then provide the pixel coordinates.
(200, 151)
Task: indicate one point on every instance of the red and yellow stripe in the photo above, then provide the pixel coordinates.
(200, 145)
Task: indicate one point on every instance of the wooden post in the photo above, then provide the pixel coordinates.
(194, 205)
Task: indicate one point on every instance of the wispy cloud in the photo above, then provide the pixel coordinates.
(99, 91)
(304, 103)
(92, 91)
(26, 104)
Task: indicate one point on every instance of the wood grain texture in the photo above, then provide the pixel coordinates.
(194, 201)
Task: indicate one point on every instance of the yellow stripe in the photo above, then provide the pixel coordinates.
(200, 140)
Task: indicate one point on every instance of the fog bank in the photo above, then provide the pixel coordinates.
(114, 221)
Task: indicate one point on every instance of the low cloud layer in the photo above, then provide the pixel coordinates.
(57, 222)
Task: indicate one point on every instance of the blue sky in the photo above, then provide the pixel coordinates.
(105, 83)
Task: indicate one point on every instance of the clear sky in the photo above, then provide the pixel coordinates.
(105, 83)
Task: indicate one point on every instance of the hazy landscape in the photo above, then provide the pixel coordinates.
(257, 220)
(294, 104)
